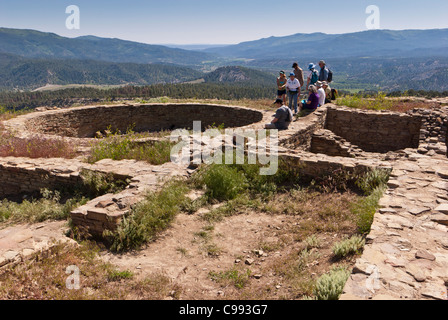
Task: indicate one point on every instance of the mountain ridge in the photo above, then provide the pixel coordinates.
(356, 44)
(36, 44)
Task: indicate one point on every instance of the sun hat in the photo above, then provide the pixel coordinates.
(319, 84)
(322, 61)
(324, 83)
(311, 66)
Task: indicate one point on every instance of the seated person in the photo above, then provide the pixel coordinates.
(328, 92)
(321, 93)
(283, 117)
(313, 100)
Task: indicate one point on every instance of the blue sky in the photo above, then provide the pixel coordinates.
(217, 22)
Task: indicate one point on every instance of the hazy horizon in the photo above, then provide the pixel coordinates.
(193, 22)
(213, 44)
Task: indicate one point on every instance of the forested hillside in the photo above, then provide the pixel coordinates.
(24, 73)
(86, 95)
(237, 74)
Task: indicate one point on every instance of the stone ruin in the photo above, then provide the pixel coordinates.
(406, 255)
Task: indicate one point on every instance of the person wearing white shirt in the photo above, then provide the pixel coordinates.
(293, 86)
(321, 93)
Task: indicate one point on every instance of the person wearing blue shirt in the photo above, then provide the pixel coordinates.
(313, 76)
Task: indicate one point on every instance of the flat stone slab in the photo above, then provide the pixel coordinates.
(440, 218)
(419, 210)
(22, 241)
(442, 208)
(435, 291)
(421, 254)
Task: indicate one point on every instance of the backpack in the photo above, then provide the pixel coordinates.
(315, 77)
(330, 76)
(334, 94)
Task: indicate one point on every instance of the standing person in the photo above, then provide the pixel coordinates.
(281, 84)
(321, 93)
(328, 95)
(293, 88)
(283, 117)
(299, 74)
(324, 71)
(313, 77)
(313, 100)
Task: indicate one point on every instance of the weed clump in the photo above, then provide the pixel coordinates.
(95, 184)
(330, 286)
(119, 147)
(48, 207)
(237, 278)
(149, 217)
(372, 180)
(354, 245)
(224, 182)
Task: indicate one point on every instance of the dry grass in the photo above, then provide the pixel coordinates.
(298, 253)
(260, 104)
(34, 146)
(405, 106)
(381, 102)
(44, 278)
(319, 212)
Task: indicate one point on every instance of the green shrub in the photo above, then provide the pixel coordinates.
(354, 245)
(238, 278)
(49, 207)
(95, 184)
(312, 242)
(224, 182)
(365, 208)
(115, 275)
(377, 102)
(372, 180)
(149, 217)
(330, 286)
(120, 147)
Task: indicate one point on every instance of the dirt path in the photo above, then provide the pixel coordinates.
(183, 255)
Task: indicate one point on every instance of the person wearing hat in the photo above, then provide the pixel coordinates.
(313, 76)
(321, 93)
(324, 71)
(281, 84)
(327, 90)
(293, 88)
(282, 118)
(313, 100)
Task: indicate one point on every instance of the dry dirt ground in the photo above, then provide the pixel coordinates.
(248, 256)
(251, 255)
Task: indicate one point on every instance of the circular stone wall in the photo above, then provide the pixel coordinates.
(84, 122)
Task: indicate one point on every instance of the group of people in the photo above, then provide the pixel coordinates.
(317, 85)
